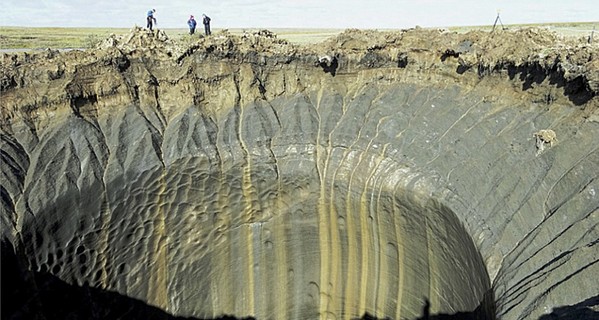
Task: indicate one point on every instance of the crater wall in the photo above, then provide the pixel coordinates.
(240, 176)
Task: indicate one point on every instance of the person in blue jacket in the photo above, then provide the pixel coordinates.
(150, 18)
(192, 24)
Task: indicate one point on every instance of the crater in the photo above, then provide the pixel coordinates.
(238, 178)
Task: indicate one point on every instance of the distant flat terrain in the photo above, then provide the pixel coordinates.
(15, 38)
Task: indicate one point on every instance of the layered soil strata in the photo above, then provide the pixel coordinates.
(387, 174)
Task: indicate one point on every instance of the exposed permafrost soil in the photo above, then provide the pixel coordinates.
(394, 174)
(530, 56)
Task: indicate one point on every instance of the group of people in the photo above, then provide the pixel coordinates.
(151, 21)
(192, 24)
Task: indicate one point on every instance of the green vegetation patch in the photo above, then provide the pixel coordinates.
(54, 38)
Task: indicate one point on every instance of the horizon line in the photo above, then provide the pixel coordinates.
(309, 28)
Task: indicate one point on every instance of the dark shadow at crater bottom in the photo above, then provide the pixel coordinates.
(483, 312)
(583, 310)
(40, 295)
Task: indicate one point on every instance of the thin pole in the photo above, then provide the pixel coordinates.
(498, 19)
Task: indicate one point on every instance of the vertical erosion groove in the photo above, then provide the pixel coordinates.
(243, 216)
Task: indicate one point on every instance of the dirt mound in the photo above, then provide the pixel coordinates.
(139, 38)
(482, 51)
(223, 43)
(531, 56)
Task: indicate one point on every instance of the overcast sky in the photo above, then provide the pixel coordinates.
(372, 14)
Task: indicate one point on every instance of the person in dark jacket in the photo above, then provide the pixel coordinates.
(192, 24)
(206, 21)
(150, 19)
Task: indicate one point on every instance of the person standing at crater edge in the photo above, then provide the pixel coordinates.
(192, 24)
(206, 21)
(150, 19)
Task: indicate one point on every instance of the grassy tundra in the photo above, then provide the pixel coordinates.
(77, 38)
(83, 38)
